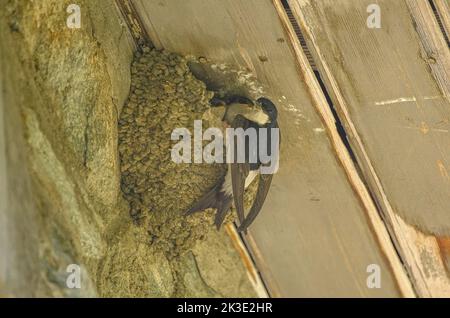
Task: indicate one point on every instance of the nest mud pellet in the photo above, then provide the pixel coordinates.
(164, 95)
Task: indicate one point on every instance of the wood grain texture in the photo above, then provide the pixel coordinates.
(397, 117)
(314, 234)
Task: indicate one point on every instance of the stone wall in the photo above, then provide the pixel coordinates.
(60, 198)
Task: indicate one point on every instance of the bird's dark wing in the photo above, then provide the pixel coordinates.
(209, 200)
(222, 209)
(217, 101)
(265, 180)
(239, 171)
(263, 188)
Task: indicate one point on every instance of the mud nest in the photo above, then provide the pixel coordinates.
(164, 95)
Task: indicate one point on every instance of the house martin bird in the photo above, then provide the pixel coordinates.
(242, 112)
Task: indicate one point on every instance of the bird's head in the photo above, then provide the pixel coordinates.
(268, 107)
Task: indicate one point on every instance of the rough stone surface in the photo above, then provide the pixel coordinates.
(62, 95)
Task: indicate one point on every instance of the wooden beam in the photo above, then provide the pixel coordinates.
(396, 116)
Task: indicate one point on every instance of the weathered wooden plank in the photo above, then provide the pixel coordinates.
(397, 116)
(314, 234)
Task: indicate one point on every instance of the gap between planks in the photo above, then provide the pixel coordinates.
(443, 10)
